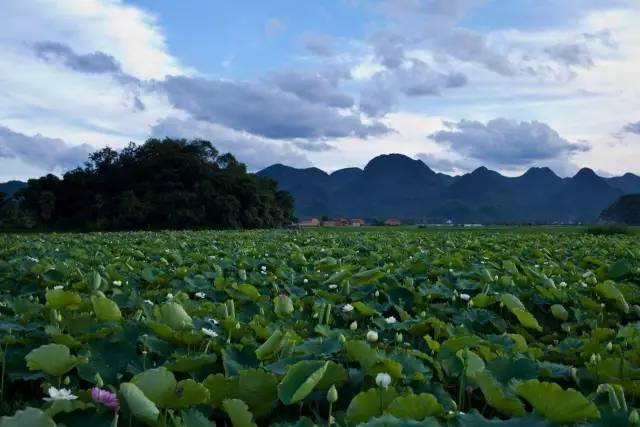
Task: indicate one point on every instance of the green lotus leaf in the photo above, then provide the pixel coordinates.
(471, 361)
(239, 413)
(364, 309)
(474, 419)
(105, 309)
(272, 345)
(497, 397)
(29, 417)
(559, 312)
(556, 404)
(259, 389)
(415, 406)
(220, 388)
(511, 302)
(60, 299)
(53, 359)
(608, 290)
(362, 353)
(390, 421)
(188, 393)
(175, 316)
(157, 384)
(194, 418)
(300, 380)
(190, 363)
(371, 403)
(368, 276)
(325, 264)
(335, 374)
(526, 319)
(249, 291)
(139, 404)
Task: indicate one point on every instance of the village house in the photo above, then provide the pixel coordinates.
(312, 222)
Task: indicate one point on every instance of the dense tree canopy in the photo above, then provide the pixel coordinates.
(160, 184)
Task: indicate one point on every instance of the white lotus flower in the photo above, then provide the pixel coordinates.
(58, 288)
(305, 281)
(383, 380)
(354, 325)
(209, 332)
(465, 297)
(169, 296)
(609, 346)
(333, 286)
(390, 320)
(377, 293)
(59, 394)
(372, 336)
(117, 283)
(347, 308)
(148, 301)
(200, 295)
(263, 268)
(563, 284)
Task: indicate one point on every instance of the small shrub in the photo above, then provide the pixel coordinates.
(608, 229)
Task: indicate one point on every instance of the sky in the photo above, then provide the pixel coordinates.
(506, 84)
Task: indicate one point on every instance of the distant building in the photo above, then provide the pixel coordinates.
(393, 222)
(312, 222)
(330, 223)
(357, 222)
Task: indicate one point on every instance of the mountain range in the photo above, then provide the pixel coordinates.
(11, 187)
(395, 185)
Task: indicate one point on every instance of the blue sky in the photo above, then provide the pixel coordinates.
(508, 84)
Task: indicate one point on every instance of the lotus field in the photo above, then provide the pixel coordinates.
(302, 328)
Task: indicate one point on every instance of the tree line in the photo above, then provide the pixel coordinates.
(161, 184)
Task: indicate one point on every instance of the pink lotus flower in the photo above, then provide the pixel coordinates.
(107, 398)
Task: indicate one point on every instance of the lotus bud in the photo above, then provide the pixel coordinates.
(99, 381)
(332, 394)
(609, 346)
(383, 380)
(354, 325)
(399, 337)
(372, 336)
(283, 306)
(66, 381)
(342, 339)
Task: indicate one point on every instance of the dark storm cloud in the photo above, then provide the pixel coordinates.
(263, 109)
(38, 150)
(312, 87)
(507, 142)
(414, 79)
(632, 128)
(571, 54)
(93, 63)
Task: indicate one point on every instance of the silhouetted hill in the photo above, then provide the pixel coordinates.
(625, 210)
(11, 187)
(396, 185)
(627, 183)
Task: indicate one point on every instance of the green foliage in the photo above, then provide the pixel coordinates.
(184, 327)
(161, 184)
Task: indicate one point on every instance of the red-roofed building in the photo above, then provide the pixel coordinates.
(312, 222)
(393, 222)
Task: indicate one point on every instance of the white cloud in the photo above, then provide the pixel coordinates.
(257, 152)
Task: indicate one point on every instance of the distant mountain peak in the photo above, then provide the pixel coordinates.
(540, 171)
(586, 172)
